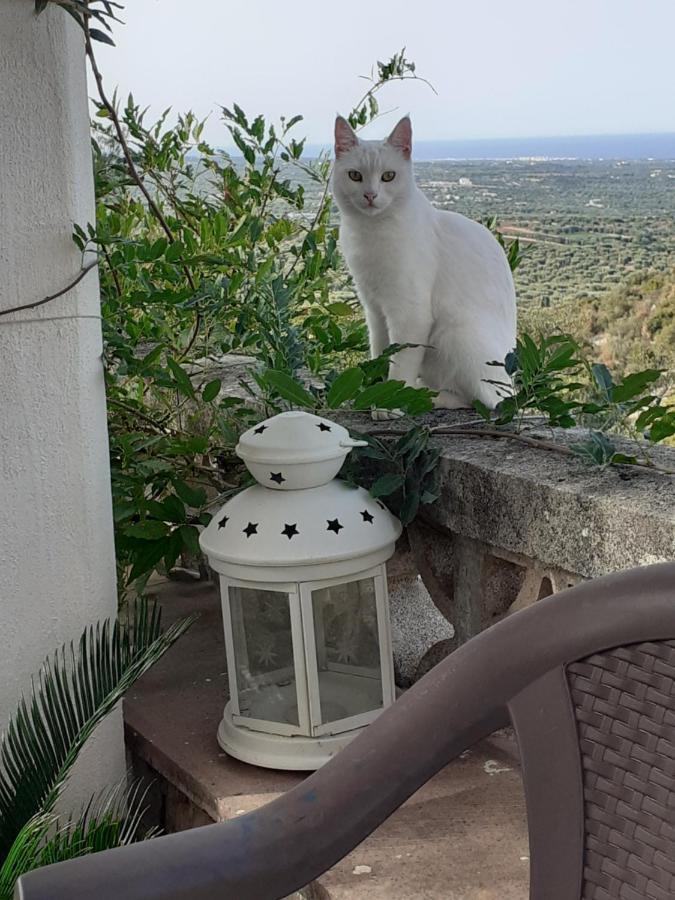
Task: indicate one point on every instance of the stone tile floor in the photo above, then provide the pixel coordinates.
(463, 836)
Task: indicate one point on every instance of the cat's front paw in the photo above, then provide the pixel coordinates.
(448, 400)
(385, 415)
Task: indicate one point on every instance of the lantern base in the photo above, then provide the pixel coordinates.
(276, 751)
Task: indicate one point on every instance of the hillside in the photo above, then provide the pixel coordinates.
(630, 327)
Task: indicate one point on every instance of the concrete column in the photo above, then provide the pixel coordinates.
(57, 570)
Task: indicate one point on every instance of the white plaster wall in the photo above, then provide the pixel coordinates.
(56, 544)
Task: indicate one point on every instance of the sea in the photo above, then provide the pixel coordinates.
(584, 147)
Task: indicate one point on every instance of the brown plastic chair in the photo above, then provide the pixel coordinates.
(588, 679)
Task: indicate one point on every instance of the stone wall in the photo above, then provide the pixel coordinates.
(515, 524)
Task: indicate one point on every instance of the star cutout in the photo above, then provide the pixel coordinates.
(277, 477)
(334, 525)
(266, 656)
(251, 528)
(259, 429)
(223, 522)
(323, 427)
(366, 516)
(290, 530)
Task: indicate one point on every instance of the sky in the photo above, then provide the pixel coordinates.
(501, 68)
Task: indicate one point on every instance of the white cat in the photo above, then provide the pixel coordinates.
(424, 275)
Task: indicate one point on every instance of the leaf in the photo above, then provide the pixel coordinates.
(409, 507)
(211, 390)
(174, 252)
(345, 387)
(624, 459)
(414, 401)
(172, 549)
(387, 484)
(482, 410)
(649, 416)
(511, 363)
(72, 693)
(147, 530)
(190, 537)
(429, 497)
(340, 308)
(158, 248)
(383, 395)
(192, 496)
(146, 557)
(603, 377)
(97, 35)
(412, 444)
(598, 448)
(663, 428)
(182, 378)
(174, 509)
(634, 384)
(288, 388)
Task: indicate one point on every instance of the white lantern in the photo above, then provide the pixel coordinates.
(301, 557)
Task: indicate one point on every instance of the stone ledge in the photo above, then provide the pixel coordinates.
(545, 506)
(515, 523)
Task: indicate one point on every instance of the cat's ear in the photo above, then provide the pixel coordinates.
(401, 137)
(345, 139)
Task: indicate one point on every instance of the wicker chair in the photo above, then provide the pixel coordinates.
(587, 677)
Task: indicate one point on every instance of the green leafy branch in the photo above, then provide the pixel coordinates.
(361, 387)
(403, 473)
(553, 377)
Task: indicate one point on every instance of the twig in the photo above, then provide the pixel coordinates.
(159, 426)
(36, 303)
(538, 443)
(133, 171)
(480, 433)
(113, 271)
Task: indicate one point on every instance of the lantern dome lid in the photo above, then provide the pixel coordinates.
(295, 450)
(295, 437)
(262, 528)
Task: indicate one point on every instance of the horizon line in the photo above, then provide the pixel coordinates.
(541, 137)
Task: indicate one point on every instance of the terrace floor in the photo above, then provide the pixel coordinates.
(463, 836)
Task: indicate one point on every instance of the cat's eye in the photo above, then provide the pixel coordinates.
(354, 175)
(388, 176)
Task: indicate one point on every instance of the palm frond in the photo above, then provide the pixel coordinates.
(73, 692)
(112, 819)
(24, 851)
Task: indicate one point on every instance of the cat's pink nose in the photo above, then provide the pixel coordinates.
(370, 196)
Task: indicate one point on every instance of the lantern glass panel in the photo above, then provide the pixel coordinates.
(263, 650)
(348, 650)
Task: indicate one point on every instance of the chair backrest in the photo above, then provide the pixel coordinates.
(588, 679)
(597, 739)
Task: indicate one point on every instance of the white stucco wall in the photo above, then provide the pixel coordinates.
(56, 543)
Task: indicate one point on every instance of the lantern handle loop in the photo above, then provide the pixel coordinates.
(348, 443)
